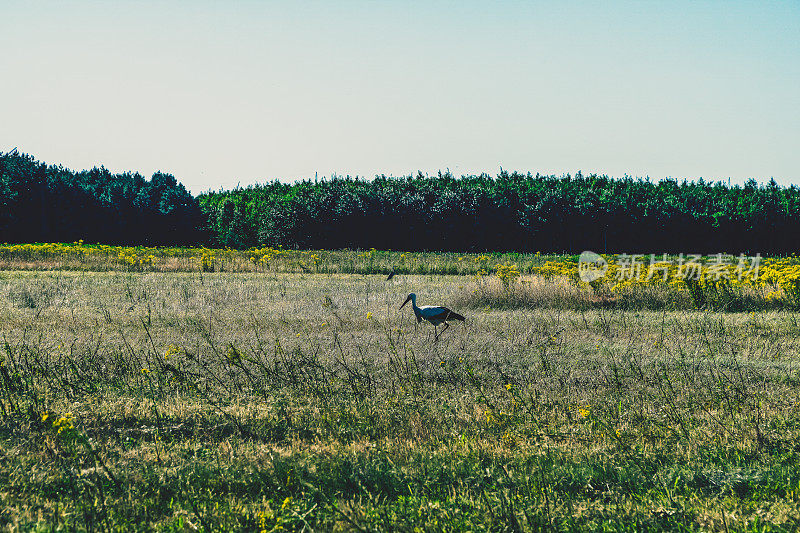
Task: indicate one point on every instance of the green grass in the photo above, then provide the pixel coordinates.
(309, 402)
(104, 258)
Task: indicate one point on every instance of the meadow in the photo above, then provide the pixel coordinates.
(215, 390)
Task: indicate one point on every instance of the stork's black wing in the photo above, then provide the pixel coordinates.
(446, 314)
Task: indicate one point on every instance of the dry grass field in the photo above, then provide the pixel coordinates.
(264, 401)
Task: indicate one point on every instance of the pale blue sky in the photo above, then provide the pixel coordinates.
(220, 93)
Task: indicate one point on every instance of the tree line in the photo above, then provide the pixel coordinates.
(48, 203)
(507, 212)
(511, 212)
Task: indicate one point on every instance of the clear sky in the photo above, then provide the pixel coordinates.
(220, 93)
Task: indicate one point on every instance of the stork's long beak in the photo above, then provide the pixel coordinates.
(404, 303)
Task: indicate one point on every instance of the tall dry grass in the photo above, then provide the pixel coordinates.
(566, 292)
(222, 401)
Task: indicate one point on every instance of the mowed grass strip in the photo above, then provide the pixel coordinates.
(223, 401)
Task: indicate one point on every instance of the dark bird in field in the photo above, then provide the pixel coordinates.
(391, 275)
(433, 314)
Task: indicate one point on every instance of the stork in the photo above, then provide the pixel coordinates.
(433, 314)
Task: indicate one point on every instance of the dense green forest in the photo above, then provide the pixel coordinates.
(512, 211)
(48, 203)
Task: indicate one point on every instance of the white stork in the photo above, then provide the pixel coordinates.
(433, 314)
